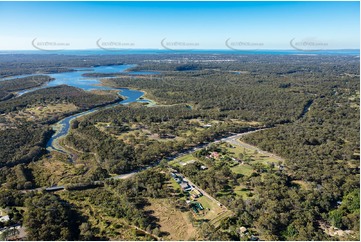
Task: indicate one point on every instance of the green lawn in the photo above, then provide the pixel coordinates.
(242, 192)
(182, 159)
(205, 202)
(174, 184)
(212, 209)
(245, 169)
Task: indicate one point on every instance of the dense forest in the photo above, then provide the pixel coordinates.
(28, 138)
(8, 87)
(119, 156)
(308, 107)
(79, 97)
(323, 150)
(125, 201)
(248, 90)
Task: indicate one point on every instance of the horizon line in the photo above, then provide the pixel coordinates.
(170, 50)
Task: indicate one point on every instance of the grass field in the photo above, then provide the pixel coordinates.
(216, 221)
(242, 192)
(211, 209)
(174, 184)
(244, 169)
(250, 154)
(178, 224)
(183, 160)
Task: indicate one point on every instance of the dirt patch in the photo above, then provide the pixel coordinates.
(333, 231)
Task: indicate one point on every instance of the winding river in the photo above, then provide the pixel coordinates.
(76, 79)
(62, 127)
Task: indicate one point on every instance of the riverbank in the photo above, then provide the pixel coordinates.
(62, 127)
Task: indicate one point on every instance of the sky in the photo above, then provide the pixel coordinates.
(179, 25)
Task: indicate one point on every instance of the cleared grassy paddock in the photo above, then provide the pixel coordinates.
(171, 220)
(244, 169)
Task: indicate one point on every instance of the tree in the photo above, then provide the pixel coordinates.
(49, 218)
(86, 232)
(156, 231)
(8, 232)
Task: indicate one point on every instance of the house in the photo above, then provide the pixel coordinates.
(203, 167)
(196, 193)
(179, 175)
(242, 230)
(187, 162)
(237, 160)
(199, 206)
(254, 238)
(185, 186)
(13, 233)
(4, 218)
(214, 155)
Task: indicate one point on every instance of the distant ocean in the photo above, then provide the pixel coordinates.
(160, 51)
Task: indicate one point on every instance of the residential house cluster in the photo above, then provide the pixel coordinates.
(193, 192)
(180, 180)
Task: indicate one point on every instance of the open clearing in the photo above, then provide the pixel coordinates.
(56, 170)
(211, 209)
(178, 224)
(250, 154)
(183, 160)
(244, 169)
(36, 113)
(41, 112)
(243, 192)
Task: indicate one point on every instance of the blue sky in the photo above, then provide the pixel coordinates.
(196, 25)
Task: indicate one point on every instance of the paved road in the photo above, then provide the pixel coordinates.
(124, 176)
(226, 139)
(234, 140)
(231, 139)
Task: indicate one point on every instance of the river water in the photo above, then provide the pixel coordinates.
(76, 79)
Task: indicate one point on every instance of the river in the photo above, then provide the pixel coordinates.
(76, 79)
